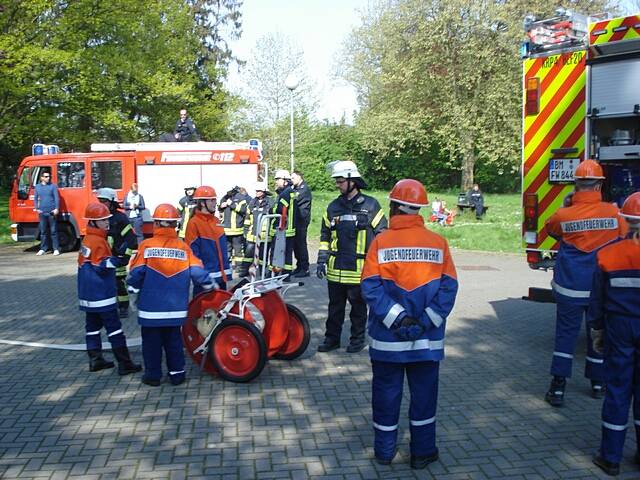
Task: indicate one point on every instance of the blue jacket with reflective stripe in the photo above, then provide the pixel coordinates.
(408, 272)
(96, 282)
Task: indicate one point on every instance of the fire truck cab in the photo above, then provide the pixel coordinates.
(161, 170)
(581, 100)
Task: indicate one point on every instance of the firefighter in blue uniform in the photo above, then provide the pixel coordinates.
(161, 274)
(348, 227)
(582, 228)
(614, 317)
(410, 284)
(206, 238)
(123, 241)
(97, 293)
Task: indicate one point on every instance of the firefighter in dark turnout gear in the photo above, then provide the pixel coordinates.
(303, 218)
(348, 227)
(233, 207)
(258, 206)
(185, 208)
(123, 242)
(285, 205)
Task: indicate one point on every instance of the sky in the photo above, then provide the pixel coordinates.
(319, 28)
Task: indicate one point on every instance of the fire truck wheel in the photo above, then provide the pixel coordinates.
(299, 335)
(238, 351)
(66, 237)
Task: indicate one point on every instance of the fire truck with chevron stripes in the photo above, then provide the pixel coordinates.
(581, 81)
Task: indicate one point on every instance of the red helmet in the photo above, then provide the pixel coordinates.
(96, 211)
(589, 170)
(409, 192)
(204, 193)
(631, 207)
(166, 211)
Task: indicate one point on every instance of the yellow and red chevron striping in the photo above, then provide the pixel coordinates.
(614, 30)
(560, 124)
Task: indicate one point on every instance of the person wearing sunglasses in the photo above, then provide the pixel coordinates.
(47, 203)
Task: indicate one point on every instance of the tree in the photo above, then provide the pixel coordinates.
(445, 74)
(267, 100)
(79, 72)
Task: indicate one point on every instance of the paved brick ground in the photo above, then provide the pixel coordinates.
(308, 418)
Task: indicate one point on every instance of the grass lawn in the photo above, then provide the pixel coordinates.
(498, 231)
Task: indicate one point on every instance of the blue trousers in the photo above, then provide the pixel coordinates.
(95, 321)
(622, 367)
(569, 318)
(388, 380)
(136, 223)
(48, 223)
(154, 341)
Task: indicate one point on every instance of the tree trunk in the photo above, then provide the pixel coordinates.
(468, 163)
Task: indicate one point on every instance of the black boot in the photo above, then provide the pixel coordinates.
(555, 395)
(97, 362)
(125, 365)
(607, 467)
(597, 389)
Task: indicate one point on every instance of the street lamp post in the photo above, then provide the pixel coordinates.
(291, 83)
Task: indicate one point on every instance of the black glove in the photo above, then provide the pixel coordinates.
(321, 270)
(408, 328)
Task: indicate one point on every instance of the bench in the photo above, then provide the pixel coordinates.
(462, 206)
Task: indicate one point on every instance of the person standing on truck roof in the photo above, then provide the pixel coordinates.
(614, 317)
(582, 228)
(46, 201)
(348, 227)
(97, 293)
(303, 218)
(185, 207)
(161, 273)
(206, 238)
(410, 284)
(185, 130)
(123, 242)
(133, 206)
(233, 208)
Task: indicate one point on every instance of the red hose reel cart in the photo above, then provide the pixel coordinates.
(234, 333)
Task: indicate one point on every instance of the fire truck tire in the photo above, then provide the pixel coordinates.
(67, 237)
(238, 351)
(299, 335)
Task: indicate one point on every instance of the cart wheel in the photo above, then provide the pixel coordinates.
(238, 351)
(299, 335)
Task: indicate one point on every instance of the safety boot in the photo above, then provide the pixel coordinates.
(606, 466)
(597, 389)
(97, 362)
(418, 462)
(555, 395)
(125, 365)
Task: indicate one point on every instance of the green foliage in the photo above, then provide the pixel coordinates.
(74, 73)
(498, 231)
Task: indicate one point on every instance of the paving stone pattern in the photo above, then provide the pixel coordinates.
(309, 418)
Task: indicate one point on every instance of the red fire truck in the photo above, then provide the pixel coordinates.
(581, 100)
(162, 171)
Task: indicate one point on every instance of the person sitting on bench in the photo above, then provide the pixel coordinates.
(477, 200)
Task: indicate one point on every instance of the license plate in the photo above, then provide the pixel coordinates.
(562, 170)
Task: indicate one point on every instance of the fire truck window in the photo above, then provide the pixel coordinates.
(25, 183)
(106, 174)
(71, 174)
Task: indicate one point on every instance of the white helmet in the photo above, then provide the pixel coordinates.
(343, 168)
(284, 174)
(261, 186)
(107, 193)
